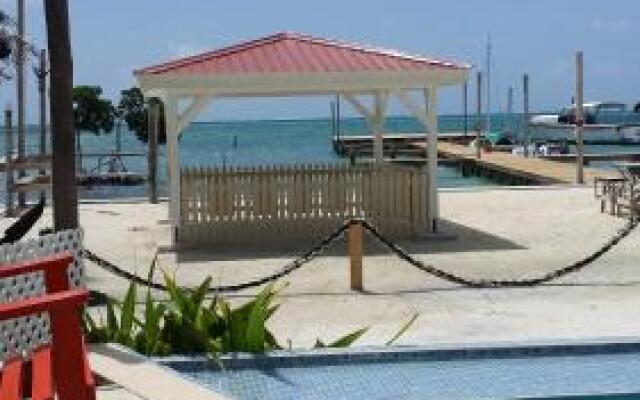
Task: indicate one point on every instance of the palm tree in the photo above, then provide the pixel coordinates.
(65, 195)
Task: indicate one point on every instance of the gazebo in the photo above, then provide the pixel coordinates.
(290, 64)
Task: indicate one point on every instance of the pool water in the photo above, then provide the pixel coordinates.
(549, 371)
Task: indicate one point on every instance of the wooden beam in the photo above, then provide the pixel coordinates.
(361, 108)
(413, 108)
(198, 104)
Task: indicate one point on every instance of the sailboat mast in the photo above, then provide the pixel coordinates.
(488, 114)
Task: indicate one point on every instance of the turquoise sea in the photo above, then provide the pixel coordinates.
(272, 142)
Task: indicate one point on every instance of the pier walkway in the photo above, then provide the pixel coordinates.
(535, 169)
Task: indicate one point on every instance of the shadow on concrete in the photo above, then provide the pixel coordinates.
(458, 238)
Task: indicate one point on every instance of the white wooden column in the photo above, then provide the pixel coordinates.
(431, 100)
(377, 125)
(173, 164)
(428, 116)
(176, 122)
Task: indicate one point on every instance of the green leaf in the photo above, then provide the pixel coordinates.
(128, 314)
(112, 321)
(403, 329)
(348, 339)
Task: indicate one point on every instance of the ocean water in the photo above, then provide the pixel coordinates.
(274, 142)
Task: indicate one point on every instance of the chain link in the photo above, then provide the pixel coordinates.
(293, 265)
(494, 283)
(396, 249)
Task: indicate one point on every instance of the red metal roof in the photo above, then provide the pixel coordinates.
(295, 53)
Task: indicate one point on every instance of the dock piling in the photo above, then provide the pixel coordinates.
(579, 118)
(478, 115)
(525, 114)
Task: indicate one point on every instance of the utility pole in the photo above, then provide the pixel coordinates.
(8, 146)
(465, 110)
(20, 93)
(64, 190)
(488, 116)
(41, 73)
(579, 117)
(525, 114)
(478, 114)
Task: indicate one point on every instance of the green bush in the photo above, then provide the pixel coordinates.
(189, 323)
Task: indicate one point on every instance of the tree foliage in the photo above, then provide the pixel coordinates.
(135, 112)
(91, 112)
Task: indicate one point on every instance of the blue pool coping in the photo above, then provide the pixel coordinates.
(409, 353)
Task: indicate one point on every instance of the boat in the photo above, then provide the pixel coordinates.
(604, 122)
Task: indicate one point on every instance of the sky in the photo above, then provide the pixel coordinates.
(112, 38)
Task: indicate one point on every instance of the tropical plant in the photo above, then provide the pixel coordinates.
(190, 324)
(135, 112)
(64, 191)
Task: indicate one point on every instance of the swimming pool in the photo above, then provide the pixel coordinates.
(600, 369)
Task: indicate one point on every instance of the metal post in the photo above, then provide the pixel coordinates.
(338, 115)
(332, 109)
(153, 127)
(509, 108)
(354, 238)
(579, 118)
(525, 115)
(8, 129)
(478, 114)
(488, 106)
(465, 110)
(42, 92)
(118, 136)
(21, 92)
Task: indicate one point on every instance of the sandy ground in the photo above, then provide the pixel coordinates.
(501, 233)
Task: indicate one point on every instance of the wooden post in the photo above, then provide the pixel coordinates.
(579, 118)
(525, 115)
(378, 123)
(20, 93)
(431, 101)
(8, 129)
(42, 92)
(152, 160)
(478, 114)
(354, 245)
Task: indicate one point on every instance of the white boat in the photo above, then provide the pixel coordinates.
(604, 121)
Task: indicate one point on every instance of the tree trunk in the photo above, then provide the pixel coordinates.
(64, 191)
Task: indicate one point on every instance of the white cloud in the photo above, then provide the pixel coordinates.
(611, 25)
(179, 50)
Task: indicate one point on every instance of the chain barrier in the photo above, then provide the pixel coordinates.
(293, 265)
(494, 283)
(394, 248)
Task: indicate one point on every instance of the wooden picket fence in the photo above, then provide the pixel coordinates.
(239, 205)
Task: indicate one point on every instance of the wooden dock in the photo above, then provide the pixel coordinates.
(571, 158)
(529, 170)
(395, 145)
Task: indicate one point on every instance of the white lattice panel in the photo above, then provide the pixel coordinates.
(20, 335)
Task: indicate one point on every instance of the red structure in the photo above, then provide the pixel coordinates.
(59, 369)
(288, 52)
